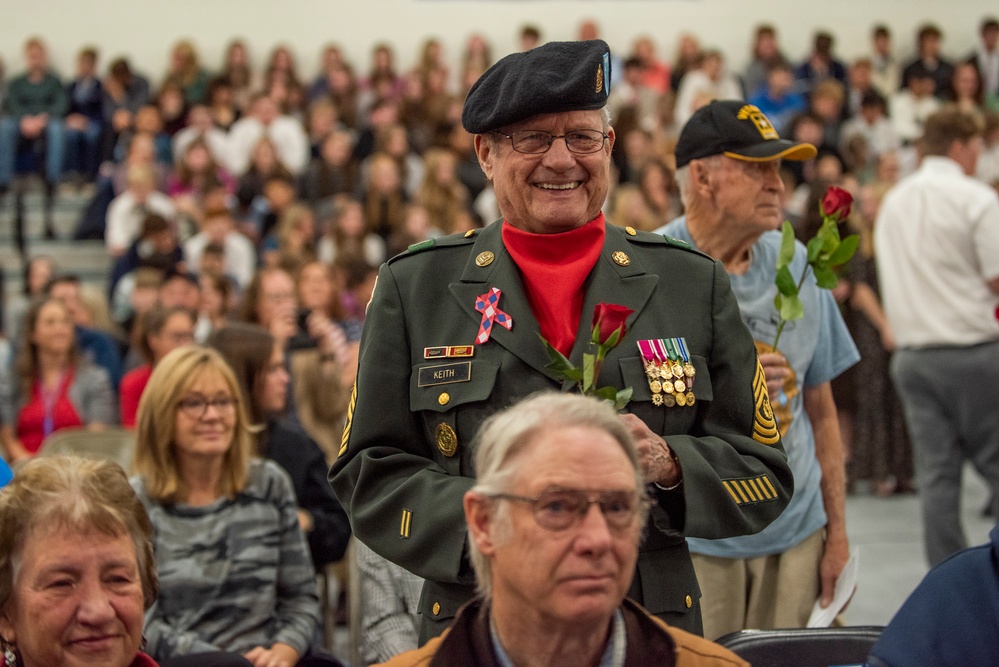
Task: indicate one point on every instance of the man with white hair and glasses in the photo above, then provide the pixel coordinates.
(554, 524)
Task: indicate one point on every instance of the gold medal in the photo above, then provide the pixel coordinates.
(447, 439)
(656, 386)
(657, 399)
(680, 386)
(681, 399)
(688, 369)
(668, 386)
(664, 371)
(650, 370)
(668, 400)
(677, 370)
(690, 398)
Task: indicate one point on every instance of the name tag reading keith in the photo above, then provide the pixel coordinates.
(460, 371)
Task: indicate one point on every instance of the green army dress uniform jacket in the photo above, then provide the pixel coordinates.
(401, 473)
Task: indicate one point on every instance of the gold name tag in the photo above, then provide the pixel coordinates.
(445, 374)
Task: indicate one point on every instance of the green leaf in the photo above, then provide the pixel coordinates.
(622, 398)
(786, 245)
(825, 277)
(845, 251)
(785, 282)
(559, 366)
(588, 379)
(608, 394)
(814, 248)
(791, 308)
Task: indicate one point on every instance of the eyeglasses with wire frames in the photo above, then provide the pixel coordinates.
(196, 405)
(533, 142)
(562, 509)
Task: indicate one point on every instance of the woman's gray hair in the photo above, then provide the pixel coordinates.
(69, 493)
(510, 431)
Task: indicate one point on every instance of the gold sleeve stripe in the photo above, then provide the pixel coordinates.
(742, 496)
(407, 519)
(761, 490)
(766, 481)
(731, 492)
(750, 490)
(764, 426)
(349, 420)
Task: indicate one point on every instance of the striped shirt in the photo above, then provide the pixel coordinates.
(234, 574)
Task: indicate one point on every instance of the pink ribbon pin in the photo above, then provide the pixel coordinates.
(486, 304)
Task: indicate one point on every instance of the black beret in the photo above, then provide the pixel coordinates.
(738, 130)
(555, 77)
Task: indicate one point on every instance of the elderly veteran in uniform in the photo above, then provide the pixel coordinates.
(728, 158)
(453, 335)
(560, 486)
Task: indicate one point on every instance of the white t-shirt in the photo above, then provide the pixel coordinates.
(125, 215)
(937, 245)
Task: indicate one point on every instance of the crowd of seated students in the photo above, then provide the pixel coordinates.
(254, 194)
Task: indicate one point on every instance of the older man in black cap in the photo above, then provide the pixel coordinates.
(728, 159)
(453, 335)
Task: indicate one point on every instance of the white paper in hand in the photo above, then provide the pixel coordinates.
(846, 584)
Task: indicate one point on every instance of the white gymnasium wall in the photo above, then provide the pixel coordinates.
(145, 30)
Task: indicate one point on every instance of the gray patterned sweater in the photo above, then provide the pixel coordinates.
(235, 574)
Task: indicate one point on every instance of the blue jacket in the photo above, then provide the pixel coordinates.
(951, 619)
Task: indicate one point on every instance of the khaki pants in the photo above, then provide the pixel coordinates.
(761, 593)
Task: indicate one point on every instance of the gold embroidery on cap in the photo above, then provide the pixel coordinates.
(600, 78)
(759, 119)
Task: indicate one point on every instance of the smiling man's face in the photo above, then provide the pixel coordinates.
(549, 192)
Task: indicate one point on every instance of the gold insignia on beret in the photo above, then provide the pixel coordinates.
(621, 259)
(764, 425)
(407, 520)
(447, 439)
(600, 78)
(630, 231)
(444, 398)
(349, 420)
(759, 119)
(484, 258)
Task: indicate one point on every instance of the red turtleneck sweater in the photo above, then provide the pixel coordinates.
(554, 268)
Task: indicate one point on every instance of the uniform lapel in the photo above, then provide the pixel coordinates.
(618, 278)
(523, 340)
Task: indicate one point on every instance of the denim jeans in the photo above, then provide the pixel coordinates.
(10, 140)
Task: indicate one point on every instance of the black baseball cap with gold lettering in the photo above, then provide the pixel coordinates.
(554, 77)
(738, 130)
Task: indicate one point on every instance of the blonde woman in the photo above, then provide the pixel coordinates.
(234, 568)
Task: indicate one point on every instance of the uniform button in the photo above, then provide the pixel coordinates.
(630, 231)
(689, 601)
(444, 398)
(437, 608)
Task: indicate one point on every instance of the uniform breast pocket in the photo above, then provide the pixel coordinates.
(439, 391)
(666, 403)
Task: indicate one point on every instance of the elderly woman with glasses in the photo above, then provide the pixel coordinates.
(234, 568)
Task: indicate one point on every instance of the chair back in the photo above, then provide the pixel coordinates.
(804, 647)
(112, 444)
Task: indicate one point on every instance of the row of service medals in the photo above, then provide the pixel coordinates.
(669, 371)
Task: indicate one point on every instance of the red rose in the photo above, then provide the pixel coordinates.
(836, 203)
(608, 318)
